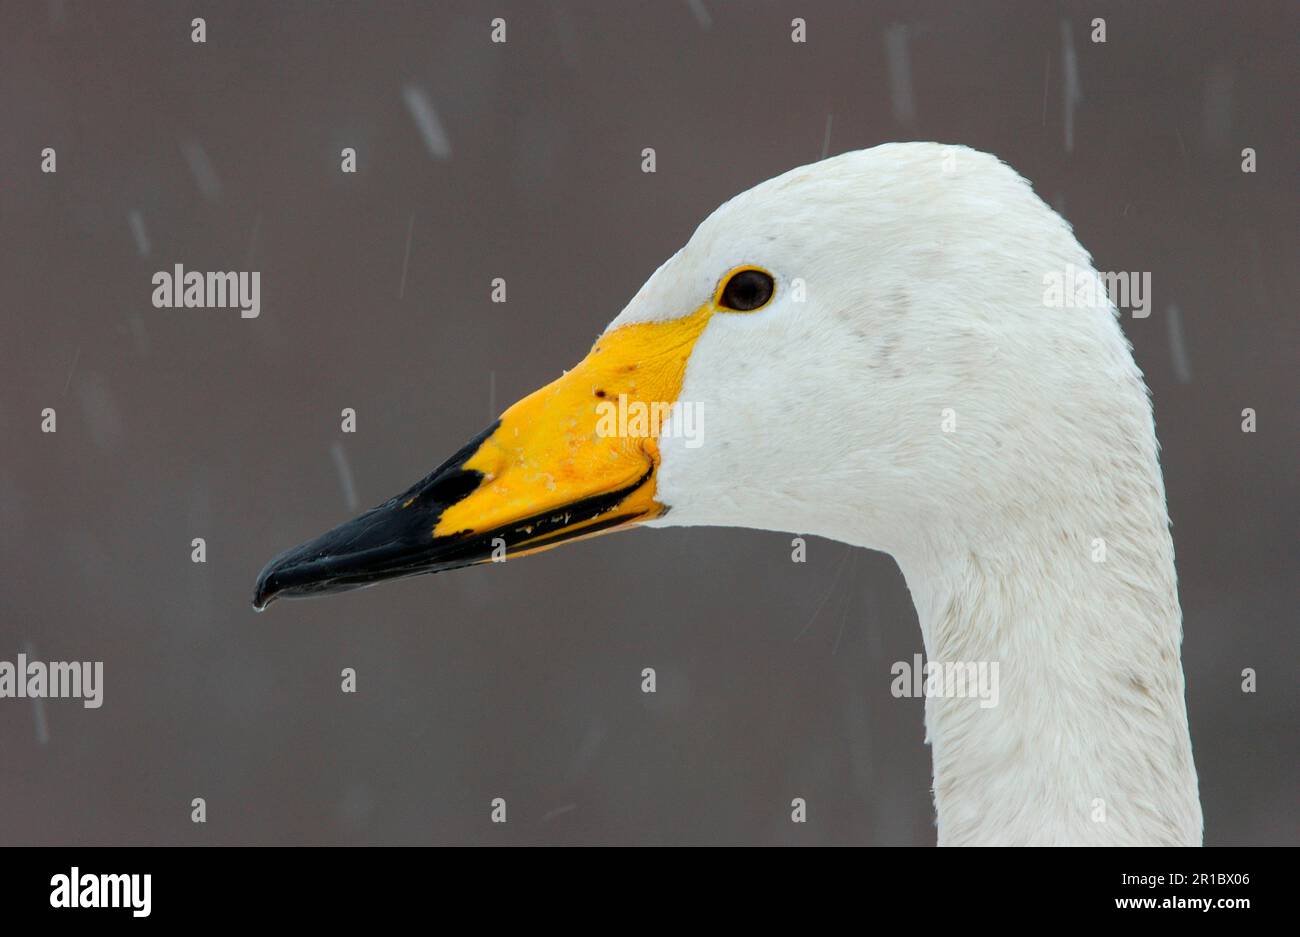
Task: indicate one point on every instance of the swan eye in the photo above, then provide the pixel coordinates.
(747, 290)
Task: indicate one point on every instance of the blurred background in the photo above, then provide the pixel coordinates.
(523, 161)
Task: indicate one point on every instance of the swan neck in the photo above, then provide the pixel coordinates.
(1075, 604)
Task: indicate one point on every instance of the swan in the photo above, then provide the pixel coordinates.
(869, 356)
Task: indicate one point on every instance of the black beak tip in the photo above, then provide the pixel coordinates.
(265, 591)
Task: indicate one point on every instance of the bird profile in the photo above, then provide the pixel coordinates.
(861, 349)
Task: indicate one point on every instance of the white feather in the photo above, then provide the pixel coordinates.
(924, 269)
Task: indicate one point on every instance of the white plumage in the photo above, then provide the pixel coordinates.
(910, 292)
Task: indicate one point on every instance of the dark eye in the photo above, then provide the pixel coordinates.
(747, 290)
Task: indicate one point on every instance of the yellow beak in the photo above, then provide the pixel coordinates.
(576, 458)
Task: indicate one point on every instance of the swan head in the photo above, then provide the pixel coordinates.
(857, 349)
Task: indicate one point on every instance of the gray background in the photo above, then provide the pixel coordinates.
(522, 680)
